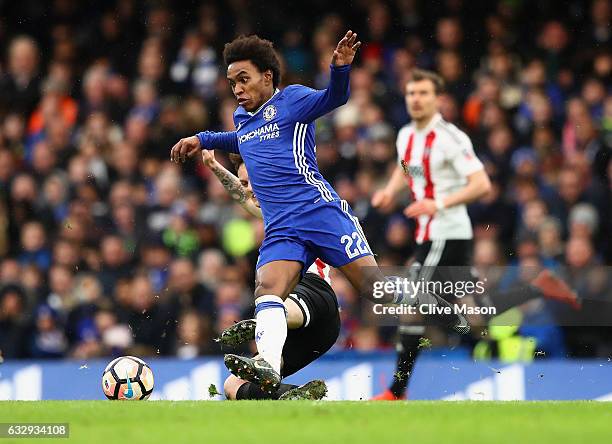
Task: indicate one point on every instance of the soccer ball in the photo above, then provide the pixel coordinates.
(127, 378)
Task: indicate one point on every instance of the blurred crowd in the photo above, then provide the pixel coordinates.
(106, 247)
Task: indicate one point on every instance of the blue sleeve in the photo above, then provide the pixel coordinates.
(227, 141)
(309, 104)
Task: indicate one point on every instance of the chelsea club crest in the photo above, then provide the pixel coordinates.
(269, 113)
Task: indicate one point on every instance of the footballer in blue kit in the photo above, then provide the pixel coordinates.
(303, 216)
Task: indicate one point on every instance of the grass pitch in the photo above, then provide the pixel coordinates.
(296, 422)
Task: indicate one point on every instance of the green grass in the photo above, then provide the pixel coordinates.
(294, 422)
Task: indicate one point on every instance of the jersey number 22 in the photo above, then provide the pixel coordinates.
(359, 248)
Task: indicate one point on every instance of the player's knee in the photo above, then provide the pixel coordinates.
(231, 386)
(295, 316)
(262, 285)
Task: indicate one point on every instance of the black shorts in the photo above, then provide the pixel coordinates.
(444, 260)
(321, 328)
(450, 252)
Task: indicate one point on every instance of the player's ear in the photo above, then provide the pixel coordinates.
(268, 77)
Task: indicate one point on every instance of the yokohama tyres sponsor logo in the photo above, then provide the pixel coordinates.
(261, 131)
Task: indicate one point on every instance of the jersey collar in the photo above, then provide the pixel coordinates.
(434, 120)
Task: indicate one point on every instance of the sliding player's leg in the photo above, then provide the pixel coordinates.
(239, 390)
(314, 316)
(236, 388)
(244, 331)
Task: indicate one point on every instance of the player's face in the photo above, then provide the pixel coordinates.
(243, 176)
(421, 99)
(250, 86)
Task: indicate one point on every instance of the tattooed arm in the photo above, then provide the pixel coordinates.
(231, 183)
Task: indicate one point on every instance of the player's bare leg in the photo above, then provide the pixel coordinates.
(278, 278)
(364, 282)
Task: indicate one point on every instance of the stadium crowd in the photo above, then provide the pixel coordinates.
(107, 247)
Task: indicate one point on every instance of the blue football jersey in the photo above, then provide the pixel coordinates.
(277, 143)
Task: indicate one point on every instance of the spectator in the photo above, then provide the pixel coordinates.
(19, 86)
(193, 336)
(116, 262)
(34, 246)
(151, 324)
(583, 221)
(187, 292)
(13, 323)
(211, 263)
(48, 339)
(550, 240)
(196, 68)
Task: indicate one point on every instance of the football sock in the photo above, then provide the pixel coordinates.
(407, 352)
(248, 390)
(271, 329)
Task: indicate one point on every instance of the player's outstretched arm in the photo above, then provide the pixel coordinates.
(309, 104)
(231, 183)
(206, 140)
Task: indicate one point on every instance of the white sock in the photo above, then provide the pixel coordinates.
(271, 329)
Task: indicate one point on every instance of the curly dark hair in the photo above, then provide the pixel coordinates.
(236, 160)
(259, 51)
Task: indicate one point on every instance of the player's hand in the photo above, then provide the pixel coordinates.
(425, 207)
(383, 200)
(184, 148)
(208, 156)
(346, 49)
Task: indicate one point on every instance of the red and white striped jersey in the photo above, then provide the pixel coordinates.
(437, 160)
(321, 269)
